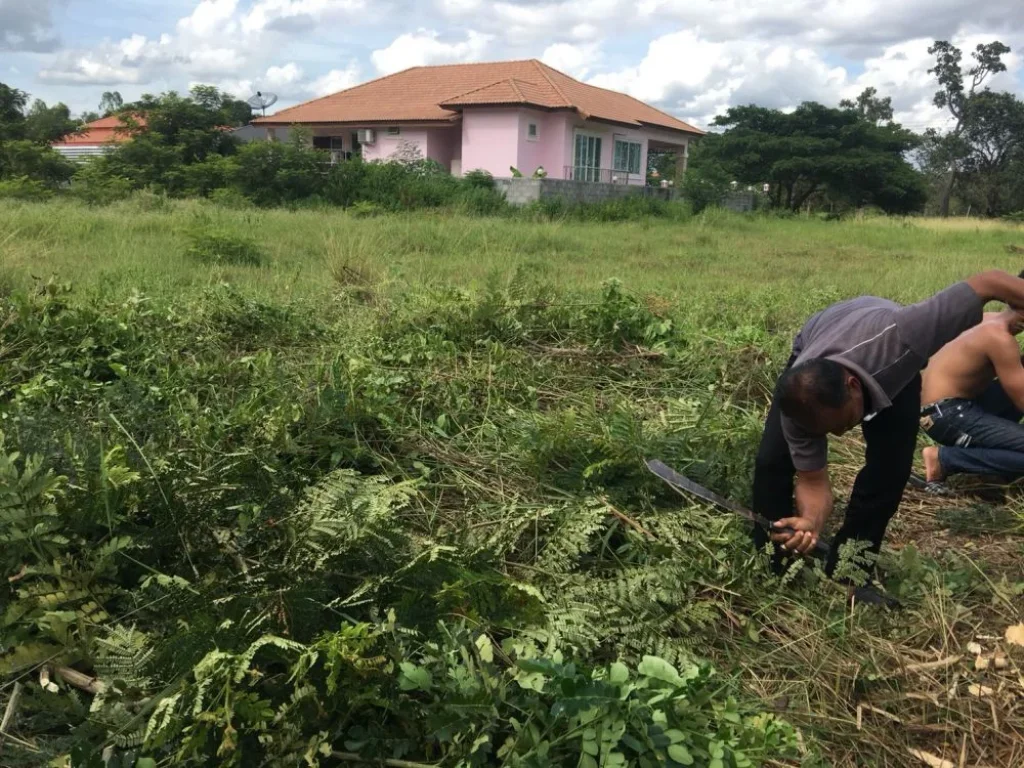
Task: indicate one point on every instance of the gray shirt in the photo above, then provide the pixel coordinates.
(884, 344)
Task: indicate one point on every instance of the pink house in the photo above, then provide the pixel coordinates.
(494, 117)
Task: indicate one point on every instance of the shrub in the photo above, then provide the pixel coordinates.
(95, 183)
(24, 188)
(364, 209)
(479, 178)
(229, 197)
(481, 201)
(210, 247)
(274, 173)
(24, 158)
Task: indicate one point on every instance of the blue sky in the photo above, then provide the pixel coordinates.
(693, 58)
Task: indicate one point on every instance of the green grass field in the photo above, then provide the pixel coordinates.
(363, 501)
(140, 245)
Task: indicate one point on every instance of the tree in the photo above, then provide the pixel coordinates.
(234, 112)
(956, 90)
(993, 136)
(12, 117)
(45, 125)
(870, 107)
(817, 150)
(110, 102)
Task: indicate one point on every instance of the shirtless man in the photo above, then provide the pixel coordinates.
(974, 393)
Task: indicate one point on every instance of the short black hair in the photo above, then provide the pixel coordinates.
(808, 386)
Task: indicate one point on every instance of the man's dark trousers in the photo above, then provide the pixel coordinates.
(980, 436)
(891, 437)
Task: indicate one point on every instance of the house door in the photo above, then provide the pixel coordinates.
(587, 158)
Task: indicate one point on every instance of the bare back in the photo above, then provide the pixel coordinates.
(964, 367)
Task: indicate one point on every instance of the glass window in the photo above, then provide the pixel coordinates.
(627, 156)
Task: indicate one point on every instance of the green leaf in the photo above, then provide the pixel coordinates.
(586, 761)
(659, 669)
(483, 645)
(681, 754)
(675, 735)
(146, 762)
(618, 673)
(413, 677)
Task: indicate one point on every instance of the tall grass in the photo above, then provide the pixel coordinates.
(487, 362)
(751, 262)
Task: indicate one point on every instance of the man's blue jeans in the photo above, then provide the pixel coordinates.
(980, 436)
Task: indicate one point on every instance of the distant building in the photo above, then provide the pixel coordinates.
(95, 138)
(493, 117)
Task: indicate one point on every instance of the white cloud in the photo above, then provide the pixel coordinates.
(211, 18)
(575, 60)
(296, 15)
(696, 78)
(425, 47)
(335, 80)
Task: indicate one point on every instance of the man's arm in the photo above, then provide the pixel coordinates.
(1003, 351)
(996, 285)
(813, 506)
(927, 326)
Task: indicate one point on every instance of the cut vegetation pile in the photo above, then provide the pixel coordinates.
(415, 525)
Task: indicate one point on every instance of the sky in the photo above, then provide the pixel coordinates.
(692, 58)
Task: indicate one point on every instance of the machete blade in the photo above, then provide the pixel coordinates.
(683, 483)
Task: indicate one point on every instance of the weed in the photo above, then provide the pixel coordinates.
(211, 247)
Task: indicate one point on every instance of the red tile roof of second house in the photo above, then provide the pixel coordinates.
(102, 131)
(436, 94)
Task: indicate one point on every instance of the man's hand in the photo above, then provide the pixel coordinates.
(804, 540)
(813, 506)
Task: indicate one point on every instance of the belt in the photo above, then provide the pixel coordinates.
(935, 409)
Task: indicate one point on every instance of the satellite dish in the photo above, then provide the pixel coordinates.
(261, 101)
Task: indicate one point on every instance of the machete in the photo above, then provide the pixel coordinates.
(682, 485)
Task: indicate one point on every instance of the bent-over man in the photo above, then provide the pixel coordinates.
(973, 391)
(857, 361)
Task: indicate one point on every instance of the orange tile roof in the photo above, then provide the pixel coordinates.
(432, 94)
(102, 131)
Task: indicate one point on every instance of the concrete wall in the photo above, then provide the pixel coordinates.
(259, 133)
(490, 140)
(521, 191)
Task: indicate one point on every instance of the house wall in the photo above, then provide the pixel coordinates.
(549, 148)
(385, 146)
(608, 133)
(442, 144)
(490, 140)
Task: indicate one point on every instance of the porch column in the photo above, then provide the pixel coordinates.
(271, 133)
(681, 159)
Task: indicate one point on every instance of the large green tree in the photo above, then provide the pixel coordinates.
(817, 151)
(957, 88)
(994, 145)
(178, 141)
(45, 125)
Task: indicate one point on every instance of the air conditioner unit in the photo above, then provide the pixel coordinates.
(367, 136)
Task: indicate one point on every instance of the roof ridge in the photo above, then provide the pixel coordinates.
(482, 88)
(515, 88)
(351, 88)
(621, 93)
(540, 68)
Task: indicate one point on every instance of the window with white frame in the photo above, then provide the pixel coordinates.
(532, 131)
(394, 130)
(627, 156)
